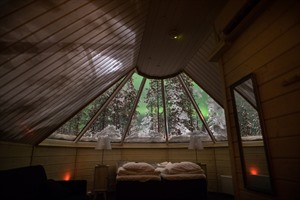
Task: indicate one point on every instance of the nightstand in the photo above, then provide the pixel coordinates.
(100, 180)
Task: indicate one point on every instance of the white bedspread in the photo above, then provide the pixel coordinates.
(141, 178)
(122, 171)
(182, 176)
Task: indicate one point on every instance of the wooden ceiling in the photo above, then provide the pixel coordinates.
(58, 55)
(160, 54)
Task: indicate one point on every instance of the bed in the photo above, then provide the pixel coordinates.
(160, 181)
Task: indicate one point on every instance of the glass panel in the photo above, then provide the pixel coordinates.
(213, 113)
(181, 115)
(73, 127)
(147, 124)
(112, 120)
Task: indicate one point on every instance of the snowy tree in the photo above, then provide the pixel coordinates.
(154, 105)
(248, 118)
(121, 106)
(79, 121)
(216, 118)
(188, 106)
(149, 125)
(177, 107)
(101, 121)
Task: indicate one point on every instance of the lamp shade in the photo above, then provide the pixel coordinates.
(103, 143)
(195, 142)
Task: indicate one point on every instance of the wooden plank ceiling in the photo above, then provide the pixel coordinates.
(58, 55)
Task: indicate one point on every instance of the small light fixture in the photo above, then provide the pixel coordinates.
(175, 34)
(103, 143)
(195, 143)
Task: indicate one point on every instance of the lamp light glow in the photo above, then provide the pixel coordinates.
(67, 176)
(253, 171)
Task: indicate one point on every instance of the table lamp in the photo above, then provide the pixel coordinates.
(103, 143)
(195, 143)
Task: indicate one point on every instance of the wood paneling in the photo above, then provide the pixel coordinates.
(269, 47)
(57, 56)
(14, 155)
(263, 24)
(283, 126)
(287, 169)
(79, 163)
(276, 87)
(281, 105)
(59, 162)
(209, 72)
(290, 189)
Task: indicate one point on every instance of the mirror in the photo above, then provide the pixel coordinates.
(250, 130)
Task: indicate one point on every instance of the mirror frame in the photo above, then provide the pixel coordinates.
(252, 77)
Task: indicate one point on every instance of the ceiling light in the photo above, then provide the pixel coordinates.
(175, 35)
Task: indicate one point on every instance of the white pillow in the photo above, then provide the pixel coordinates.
(138, 166)
(189, 165)
(182, 167)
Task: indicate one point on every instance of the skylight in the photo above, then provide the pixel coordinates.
(137, 109)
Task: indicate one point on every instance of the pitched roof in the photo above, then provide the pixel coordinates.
(58, 56)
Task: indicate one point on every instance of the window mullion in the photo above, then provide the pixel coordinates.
(92, 120)
(133, 109)
(165, 110)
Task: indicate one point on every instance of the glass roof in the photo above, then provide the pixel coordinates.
(137, 109)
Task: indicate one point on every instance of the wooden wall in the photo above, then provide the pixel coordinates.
(270, 48)
(79, 163)
(14, 155)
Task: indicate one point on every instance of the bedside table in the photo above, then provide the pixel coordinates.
(101, 180)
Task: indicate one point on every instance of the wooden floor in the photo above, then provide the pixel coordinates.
(210, 196)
